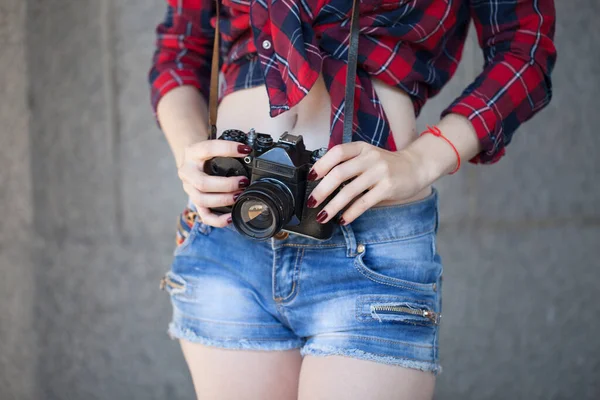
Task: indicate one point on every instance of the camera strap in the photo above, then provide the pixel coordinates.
(350, 77)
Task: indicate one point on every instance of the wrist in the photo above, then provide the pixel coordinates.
(439, 156)
(434, 158)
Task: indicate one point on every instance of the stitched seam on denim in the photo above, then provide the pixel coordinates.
(299, 254)
(396, 282)
(312, 245)
(204, 229)
(373, 339)
(435, 339)
(386, 240)
(400, 239)
(212, 321)
(389, 298)
(408, 319)
(273, 275)
(298, 284)
(225, 339)
(350, 239)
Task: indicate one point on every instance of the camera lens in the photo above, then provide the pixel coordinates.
(263, 209)
(257, 215)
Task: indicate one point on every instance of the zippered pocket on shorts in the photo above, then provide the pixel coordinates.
(392, 308)
(399, 310)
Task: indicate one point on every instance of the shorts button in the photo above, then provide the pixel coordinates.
(281, 235)
(266, 44)
(360, 248)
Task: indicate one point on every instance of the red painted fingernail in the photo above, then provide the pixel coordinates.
(244, 183)
(312, 175)
(342, 221)
(321, 216)
(235, 196)
(311, 202)
(229, 220)
(242, 148)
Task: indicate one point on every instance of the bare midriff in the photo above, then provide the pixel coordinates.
(249, 108)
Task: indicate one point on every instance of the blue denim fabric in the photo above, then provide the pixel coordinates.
(372, 291)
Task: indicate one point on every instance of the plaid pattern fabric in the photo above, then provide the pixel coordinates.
(414, 45)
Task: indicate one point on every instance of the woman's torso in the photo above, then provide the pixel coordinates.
(396, 60)
(249, 108)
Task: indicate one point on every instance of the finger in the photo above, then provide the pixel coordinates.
(362, 204)
(334, 156)
(345, 196)
(211, 199)
(206, 215)
(216, 148)
(190, 174)
(209, 218)
(338, 175)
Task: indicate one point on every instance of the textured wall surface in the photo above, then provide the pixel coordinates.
(88, 195)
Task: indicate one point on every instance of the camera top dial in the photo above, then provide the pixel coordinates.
(234, 135)
(264, 142)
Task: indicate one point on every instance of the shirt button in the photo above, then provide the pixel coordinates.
(266, 44)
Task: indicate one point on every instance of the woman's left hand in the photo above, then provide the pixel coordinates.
(387, 175)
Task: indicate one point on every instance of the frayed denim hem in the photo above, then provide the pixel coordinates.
(322, 351)
(175, 332)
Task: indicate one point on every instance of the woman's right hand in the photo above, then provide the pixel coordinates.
(207, 191)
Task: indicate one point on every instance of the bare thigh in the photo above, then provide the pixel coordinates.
(337, 377)
(222, 374)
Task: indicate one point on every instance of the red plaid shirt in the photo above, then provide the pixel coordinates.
(414, 45)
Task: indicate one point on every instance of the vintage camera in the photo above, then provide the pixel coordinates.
(276, 197)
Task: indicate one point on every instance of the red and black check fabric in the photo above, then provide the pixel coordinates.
(414, 45)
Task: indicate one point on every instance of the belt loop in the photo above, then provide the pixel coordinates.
(191, 205)
(350, 240)
(437, 209)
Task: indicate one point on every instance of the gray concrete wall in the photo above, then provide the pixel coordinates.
(88, 195)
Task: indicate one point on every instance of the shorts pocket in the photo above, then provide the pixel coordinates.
(408, 264)
(189, 227)
(395, 309)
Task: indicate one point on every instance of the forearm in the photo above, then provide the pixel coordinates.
(182, 114)
(436, 156)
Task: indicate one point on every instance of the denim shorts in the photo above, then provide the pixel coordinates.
(372, 291)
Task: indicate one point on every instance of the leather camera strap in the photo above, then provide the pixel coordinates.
(350, 77)
(214, 80)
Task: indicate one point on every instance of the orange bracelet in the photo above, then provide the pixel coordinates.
(436, 132)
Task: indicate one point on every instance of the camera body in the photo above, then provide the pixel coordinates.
(276, 198)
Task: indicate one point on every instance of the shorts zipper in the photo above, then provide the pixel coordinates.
(430, 315)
